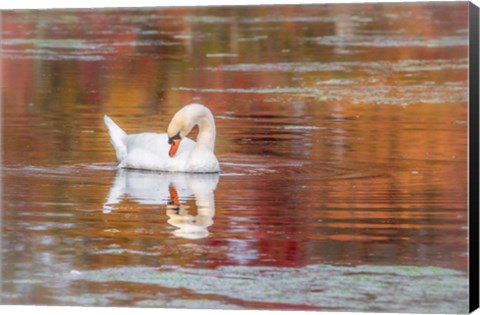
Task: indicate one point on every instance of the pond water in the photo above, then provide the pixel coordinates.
(341, 134)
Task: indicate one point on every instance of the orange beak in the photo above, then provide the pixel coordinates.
(174, 147)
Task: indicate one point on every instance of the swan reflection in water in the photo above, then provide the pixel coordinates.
(169, 189)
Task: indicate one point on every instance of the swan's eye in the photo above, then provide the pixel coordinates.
(177, 136)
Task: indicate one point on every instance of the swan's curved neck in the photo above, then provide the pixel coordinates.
(206, 132)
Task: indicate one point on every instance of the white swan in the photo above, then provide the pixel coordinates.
(171, 151)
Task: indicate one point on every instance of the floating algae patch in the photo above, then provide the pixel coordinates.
(24, 281)
(285, 67)
(272, 19)
(361, 288)
(90, 299)
(268, 90)
(208, 19)
(54, 43)
(85, 300)
(54, 49)
(191, 304)
(354, 94)
(294, 127)
(390, 41)
(353, 20)
(413, 65)
(121, 251)
(370, 67)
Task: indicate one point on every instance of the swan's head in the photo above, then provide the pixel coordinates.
(183, 122)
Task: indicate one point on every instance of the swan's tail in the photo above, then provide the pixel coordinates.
(118, 138)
